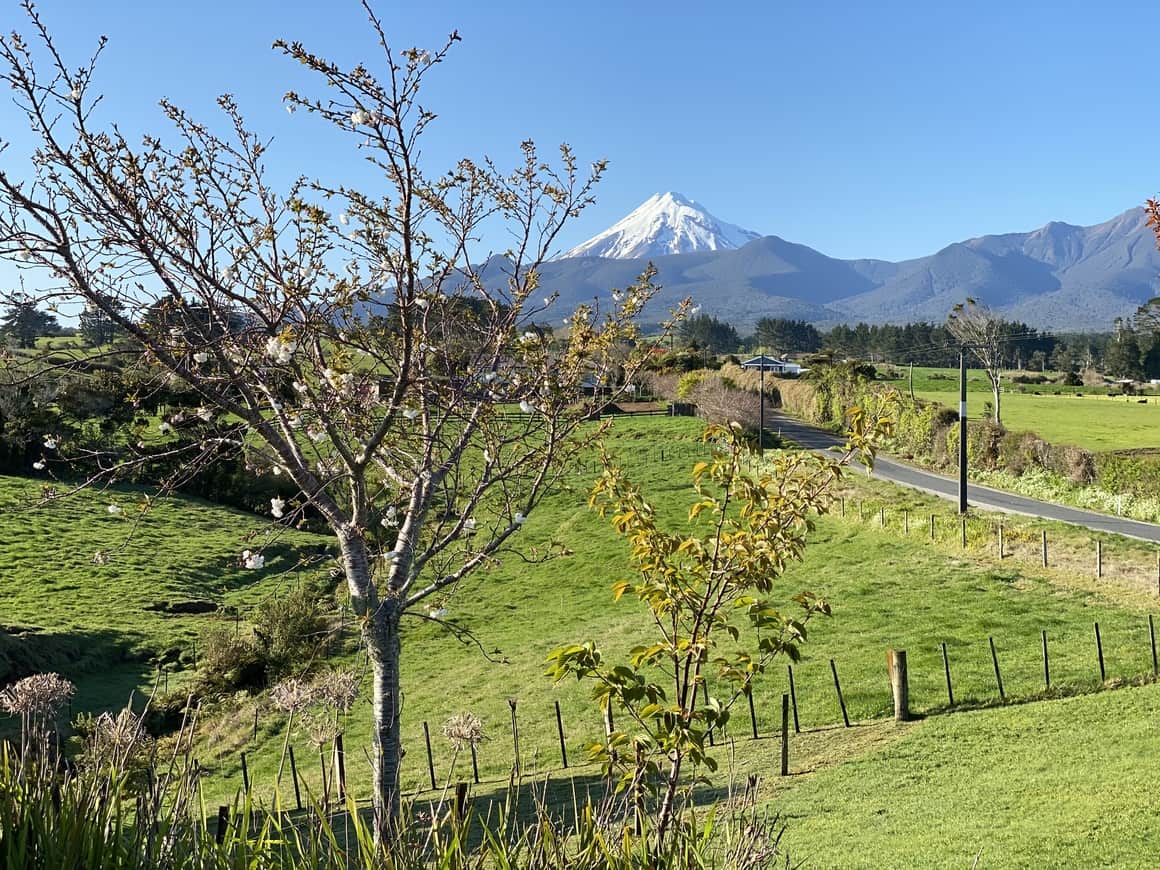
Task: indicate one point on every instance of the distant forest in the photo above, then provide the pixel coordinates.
(1126, 352)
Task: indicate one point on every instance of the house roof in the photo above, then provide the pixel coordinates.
(763, 360)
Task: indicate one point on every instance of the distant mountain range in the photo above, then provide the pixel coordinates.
(1059, 277)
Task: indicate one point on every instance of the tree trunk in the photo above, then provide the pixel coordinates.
(380, 620)
(996, 391)
(385, 651)
(665, 815)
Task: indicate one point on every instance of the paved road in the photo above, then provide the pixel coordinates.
(979, 496)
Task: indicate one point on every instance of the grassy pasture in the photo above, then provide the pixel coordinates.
(886, 590)
(1084, 416)
(181, 549)
(1095, 422)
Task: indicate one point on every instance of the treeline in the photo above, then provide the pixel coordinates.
(1130, 351)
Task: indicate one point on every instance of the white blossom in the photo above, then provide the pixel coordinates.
(201, 357)
(277, 505)
(205, 414)
(164, 428)
(410, 413)
(421, 303)
(390, 518)
(279, 349)
(358, 117)
(695, 310)
(316, 435)
(253, 561)
(50, 442)
(227, 273)
(75, 94)
(115, 509)
(519, 519)
(291, 108)
(437, 612)
(469, 524)
(529, 338)
(38, 465)
(343, 219)
(526, 406)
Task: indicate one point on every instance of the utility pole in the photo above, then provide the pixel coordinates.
(761, 411)
(963, 429)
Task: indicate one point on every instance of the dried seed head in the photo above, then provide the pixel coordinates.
(40, 695)
(464, 729)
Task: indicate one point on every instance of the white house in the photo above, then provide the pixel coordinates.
(773, 365)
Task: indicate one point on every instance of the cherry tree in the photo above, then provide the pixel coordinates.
(349, 341)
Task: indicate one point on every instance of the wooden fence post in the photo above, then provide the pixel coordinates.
(905, 522)
(1152, 641)
(995, 662)
(752, 712)
(430, 758)
(474, 764)
(899, 686)
(1099, 558)
(838, 688)
(1046, 662)
(1000, 542)
(294, 776)
(932, 528)
(245, 775)
(223, 823)
(1100, 653)
(516, 734)
(560, 731)
(793, 700)
(340, 759)
(882, 516)
(964, 533)
(785, 735)
(947, 671)
(460, 799)
(1043, 546)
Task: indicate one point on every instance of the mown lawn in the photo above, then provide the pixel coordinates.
(1060, 783)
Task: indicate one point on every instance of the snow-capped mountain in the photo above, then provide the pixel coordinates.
(666, 223)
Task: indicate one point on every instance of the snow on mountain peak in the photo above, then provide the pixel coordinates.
(665, 223)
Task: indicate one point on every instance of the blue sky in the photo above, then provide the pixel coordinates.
(885, 129)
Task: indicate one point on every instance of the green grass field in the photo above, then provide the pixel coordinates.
(1083, 416)
(886, 590)
(180, 550)
(1095, 422)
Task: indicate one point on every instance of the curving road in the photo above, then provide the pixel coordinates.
(812, 438)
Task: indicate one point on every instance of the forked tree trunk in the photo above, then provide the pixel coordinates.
(996, 390)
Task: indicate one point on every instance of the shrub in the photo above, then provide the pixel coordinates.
(228, 662)
(686, 383)
(290, 631)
